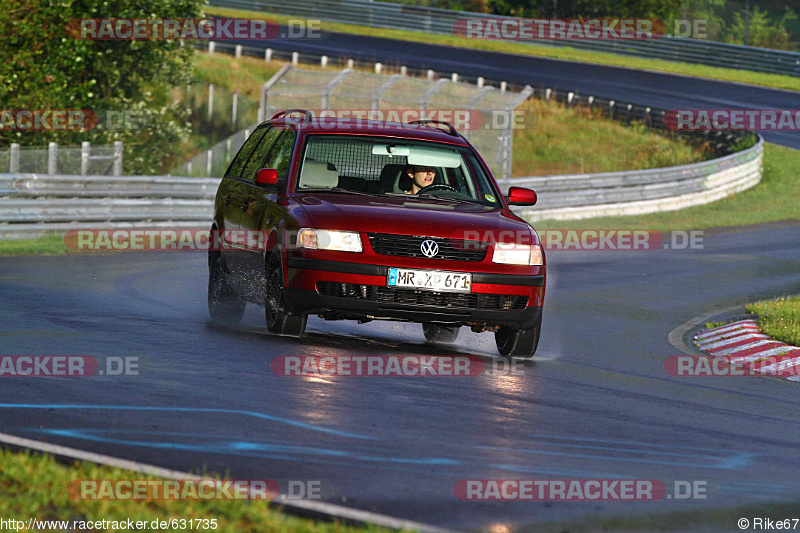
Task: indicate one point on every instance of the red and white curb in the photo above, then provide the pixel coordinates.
(743, 345)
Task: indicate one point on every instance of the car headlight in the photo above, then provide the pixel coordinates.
(323, 239)
(510, 253)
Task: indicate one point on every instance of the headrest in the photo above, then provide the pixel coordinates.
(390, 176)
(318, 175)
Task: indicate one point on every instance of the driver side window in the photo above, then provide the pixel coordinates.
(256, 161)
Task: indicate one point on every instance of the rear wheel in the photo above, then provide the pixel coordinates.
(440, 334)
(518, 342)
(224, 304)
(278, 320)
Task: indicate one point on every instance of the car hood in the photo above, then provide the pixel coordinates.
(433, 218)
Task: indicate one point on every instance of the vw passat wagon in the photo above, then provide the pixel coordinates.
(365, 221)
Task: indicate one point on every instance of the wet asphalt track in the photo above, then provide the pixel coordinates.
(648, 88)
(595, 403)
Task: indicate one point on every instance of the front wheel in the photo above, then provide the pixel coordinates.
(440, 334)
(278, 320)
(518, 342)
(224, 304)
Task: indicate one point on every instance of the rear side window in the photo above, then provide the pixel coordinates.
(281, 155)
(259, 156)
(239, 162)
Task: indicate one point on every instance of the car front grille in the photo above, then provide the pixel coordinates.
(410, 246)
(453, 300)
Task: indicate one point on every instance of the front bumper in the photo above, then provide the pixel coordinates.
(358, 291)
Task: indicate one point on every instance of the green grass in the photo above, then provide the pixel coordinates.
(566, 53)
(35, 486)
(48, 245)
(779, 318)
(556, 140)
(246, 74)
(776, 198)
(562, 140)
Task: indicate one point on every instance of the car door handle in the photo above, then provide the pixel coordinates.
(227, 200)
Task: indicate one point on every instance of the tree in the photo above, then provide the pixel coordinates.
(763, 31)
(43, 67)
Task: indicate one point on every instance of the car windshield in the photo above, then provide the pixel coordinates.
(391, 166)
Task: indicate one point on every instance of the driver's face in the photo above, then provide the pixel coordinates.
(422, 176)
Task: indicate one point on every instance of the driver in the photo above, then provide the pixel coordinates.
(421, 177)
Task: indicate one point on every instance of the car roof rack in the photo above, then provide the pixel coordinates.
(308, 116)
(451, 130)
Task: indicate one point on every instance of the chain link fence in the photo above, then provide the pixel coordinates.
(83, 160)
(485, 115)
(214, 161)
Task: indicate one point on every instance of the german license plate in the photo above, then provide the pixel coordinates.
(429, 280)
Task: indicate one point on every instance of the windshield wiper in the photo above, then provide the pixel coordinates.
(434, 197)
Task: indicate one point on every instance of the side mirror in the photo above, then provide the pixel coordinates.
(268, 177)
(521, 196)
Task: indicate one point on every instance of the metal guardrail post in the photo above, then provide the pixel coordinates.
(118, 151)
(380, 91)
(86, 148)
(263, 105)
(234, 109)
(430, 93)
(13, 164)
(210, 100)
(52, 158)
(331, 85)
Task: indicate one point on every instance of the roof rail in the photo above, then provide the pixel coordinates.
(308, 116)
(449, 126)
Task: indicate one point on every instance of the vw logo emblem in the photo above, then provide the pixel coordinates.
(429, 248)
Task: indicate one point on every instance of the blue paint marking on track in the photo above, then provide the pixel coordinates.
(723, 463)
(233, 447)
(262, 416)
(280, 450)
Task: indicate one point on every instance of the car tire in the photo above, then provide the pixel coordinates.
(224, 304)
(278, 320)
(518, 342)
(440, 334)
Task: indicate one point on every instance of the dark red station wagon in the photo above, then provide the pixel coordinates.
(367, 220)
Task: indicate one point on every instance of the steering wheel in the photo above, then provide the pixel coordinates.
(436, 187)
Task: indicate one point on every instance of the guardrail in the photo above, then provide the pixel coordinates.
(32, 205)
(577, 196)
(35, 204)
(57, 159)
(441, 21)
